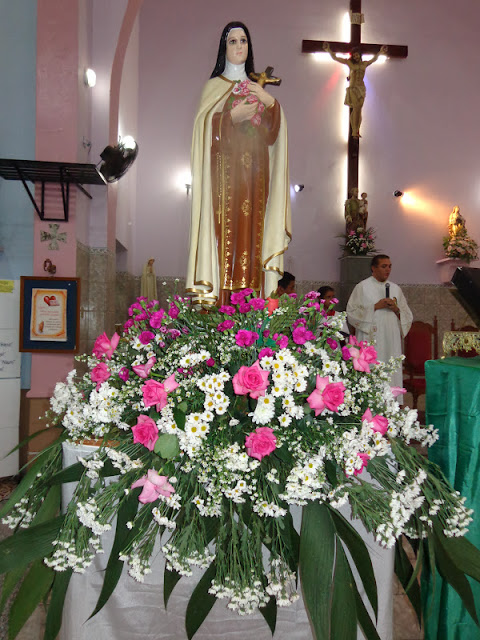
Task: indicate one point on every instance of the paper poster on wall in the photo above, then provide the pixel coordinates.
(9, 355)
(48, 319)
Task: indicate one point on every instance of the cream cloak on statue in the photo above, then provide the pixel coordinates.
(382, 326)
(203, 267)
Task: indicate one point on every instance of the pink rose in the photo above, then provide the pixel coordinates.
(99, 374)
(327, 395)
(145, 432)
(261, 442)
(154, 485)
(397, 391)
(155, 393)
(380, 423)
(143, 370)
(245, 338)
(250, 380)
(105, 347)
(369, 353)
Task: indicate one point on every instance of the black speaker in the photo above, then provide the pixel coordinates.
(467, 282)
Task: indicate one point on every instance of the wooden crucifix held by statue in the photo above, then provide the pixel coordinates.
(356, 90)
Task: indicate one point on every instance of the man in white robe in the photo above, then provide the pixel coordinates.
(379, 312)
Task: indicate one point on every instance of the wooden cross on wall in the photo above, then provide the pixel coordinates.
(394, 51)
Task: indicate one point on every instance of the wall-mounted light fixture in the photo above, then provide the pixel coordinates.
(188, 187)
(397, 193)
(299, 187)
(90, 78)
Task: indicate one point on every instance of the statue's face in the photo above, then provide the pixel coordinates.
(237, 46)
(356, 57)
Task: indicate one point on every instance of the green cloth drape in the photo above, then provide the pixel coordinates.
(453, 407)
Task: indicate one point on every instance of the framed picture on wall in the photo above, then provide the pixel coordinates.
(49, 314)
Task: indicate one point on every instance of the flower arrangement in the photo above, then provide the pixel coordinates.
(460, 246)
(360, 242)
(212, 426)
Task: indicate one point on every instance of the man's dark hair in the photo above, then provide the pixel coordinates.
(286, 279)
(376, 259)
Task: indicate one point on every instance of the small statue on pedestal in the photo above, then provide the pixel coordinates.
(148, 283)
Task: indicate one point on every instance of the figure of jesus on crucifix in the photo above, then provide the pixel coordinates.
(356, 90)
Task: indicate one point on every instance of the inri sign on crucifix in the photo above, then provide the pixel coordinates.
(356, 91)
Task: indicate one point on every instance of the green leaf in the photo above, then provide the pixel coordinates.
(317, 556)
(364, 620)
(183, 406)
(454, 576)
(10, 581)
(269, 612)
(25, 484)
(179, 417)
(404, 572)
(113, 571)
(57, 600)
(34, 588)
(170, 579)
(167, 446)
(28, 545)
(343, 622)
(360, 556)
(50, 507)
(200, 603)
(465, 555)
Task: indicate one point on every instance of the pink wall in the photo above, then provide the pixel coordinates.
(419, 128)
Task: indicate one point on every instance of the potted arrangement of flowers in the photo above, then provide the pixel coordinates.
(210, 428)
(360, 242)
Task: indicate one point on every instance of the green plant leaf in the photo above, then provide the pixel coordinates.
(57, 600)
(179, 417)
(343, 625)
(200, 603)
(363, 617)
(113, 571)
(360, 556)
(404, 572)
(28, 545)
(465, 555)
(167, 446)
(10, 581)
(269, 612)
(50, 507)
(317, 556)
(170, 579)
(34, 588)
(454, 576)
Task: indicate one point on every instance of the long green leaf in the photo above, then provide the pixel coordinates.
(28, 545)
(170, 579)
(34, 588)
(316, 562)
(454, 576)
(404, 572)
(50, 507)
(200, 603)
(269, 612)
(343, 625)
(57, 600)
(10, 581)
(126, 513)
(360, 556)
(364, 620)
(465, 555)
(25, 484)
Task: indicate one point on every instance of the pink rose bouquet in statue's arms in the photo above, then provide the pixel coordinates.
(211, 427)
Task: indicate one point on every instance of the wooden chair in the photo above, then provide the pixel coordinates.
(420, 345)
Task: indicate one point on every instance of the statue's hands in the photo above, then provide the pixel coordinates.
(261, 94)
(326, 47)
(243, 111)
(383, 50)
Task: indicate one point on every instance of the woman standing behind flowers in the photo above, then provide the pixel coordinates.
(240, 220)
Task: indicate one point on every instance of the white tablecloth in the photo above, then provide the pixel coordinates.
(135, 611)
